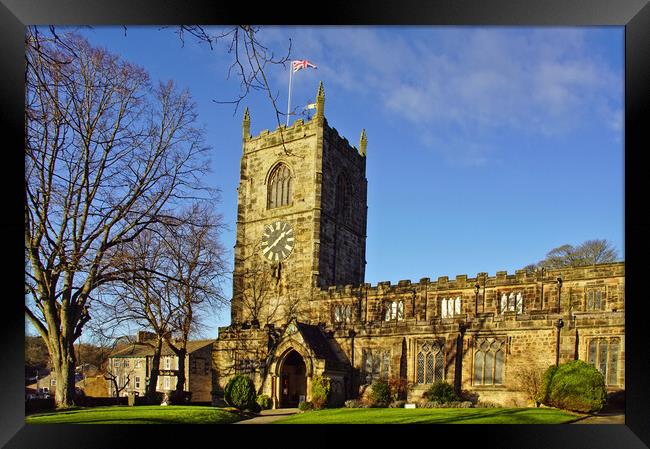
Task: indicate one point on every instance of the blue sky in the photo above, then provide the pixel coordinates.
(487, 147)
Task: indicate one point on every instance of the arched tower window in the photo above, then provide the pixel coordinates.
(343, 198)
(279, 187)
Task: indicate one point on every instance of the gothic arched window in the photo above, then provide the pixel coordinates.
(343, 198)
(279, 187)
(603, 355)
(430, 364)
(489, 359)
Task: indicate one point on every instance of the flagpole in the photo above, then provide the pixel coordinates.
(289, 101)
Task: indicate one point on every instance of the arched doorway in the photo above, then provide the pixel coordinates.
(293, 380)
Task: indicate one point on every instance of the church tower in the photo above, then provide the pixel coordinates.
(301, 218)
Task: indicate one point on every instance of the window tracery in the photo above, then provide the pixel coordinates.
(489, 361)
(430, 363)
(279, 189)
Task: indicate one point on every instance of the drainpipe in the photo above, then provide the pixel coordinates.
(458, 377)
(558, 325)
(351, 334)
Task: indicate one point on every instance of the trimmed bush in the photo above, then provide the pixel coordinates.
(320, 390)
(441, 392)
(354, 403)
(452, 404)
(264, 402)
(240, 393)
(575, 386)
(380, 393)
(487, 404)
(397, 404)
(305, 406)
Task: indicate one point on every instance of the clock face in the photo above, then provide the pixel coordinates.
(277, 241)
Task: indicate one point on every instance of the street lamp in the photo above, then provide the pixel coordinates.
(476, 290)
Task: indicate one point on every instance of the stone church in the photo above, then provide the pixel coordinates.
(300, 306)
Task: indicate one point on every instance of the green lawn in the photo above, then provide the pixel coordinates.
(143, 414)
(432, 416)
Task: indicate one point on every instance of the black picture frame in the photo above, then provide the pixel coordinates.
(633, 14)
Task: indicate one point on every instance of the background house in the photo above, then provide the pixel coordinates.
(129, 369)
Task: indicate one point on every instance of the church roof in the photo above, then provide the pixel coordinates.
(317, 341)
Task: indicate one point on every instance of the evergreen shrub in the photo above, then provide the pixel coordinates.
(575, 386)
(240, 393)
(441, 392)
(264, 402)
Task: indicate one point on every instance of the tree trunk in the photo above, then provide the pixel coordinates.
(155, 368)
(180, 383)
(63, 362)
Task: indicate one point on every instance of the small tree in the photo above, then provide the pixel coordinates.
(320, 390)
(380, 393)
(399, 388)
(528, 377)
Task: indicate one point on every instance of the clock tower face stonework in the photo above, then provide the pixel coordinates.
(301, 218)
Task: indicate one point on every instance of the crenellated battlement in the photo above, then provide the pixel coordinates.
(462, 281)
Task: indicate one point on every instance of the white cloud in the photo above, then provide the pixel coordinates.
(540, 81)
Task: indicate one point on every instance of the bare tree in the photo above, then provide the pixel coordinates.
(589, 252)
(106, 156)
(139, 295)
(258, 288)
(197, 266)
(119, 379)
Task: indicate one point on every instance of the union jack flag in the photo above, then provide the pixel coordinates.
(297, 65)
